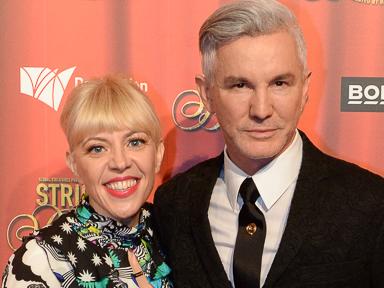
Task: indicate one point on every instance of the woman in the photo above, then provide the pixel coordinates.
(115, 150)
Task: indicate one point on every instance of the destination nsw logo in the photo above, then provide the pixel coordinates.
(362, 94)
(44, 84)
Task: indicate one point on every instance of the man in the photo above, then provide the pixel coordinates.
(318, 220)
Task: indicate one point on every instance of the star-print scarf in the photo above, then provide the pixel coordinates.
(97, 246)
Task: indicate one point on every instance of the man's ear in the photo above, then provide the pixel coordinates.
(159, 155)
(203, 89)
(304, 100)
(71, 163)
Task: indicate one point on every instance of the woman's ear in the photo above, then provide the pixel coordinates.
(159, 155)
(71, 163)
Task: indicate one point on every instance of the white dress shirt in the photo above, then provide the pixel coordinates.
(276, 184)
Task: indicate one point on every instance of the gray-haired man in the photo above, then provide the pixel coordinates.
(272, 210)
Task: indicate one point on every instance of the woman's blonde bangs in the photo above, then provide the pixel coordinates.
(110, 104)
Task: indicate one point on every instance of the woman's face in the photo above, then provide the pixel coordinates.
(118, 170)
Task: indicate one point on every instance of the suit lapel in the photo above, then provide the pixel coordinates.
(201, 187)
(306, 200)
(309, 194)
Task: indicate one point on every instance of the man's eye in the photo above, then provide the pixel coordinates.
(280, 83)
(239, 85)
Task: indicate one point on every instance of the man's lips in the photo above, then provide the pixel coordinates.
(261, 132)
(122, 186)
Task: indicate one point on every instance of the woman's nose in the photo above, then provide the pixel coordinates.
(120, 160)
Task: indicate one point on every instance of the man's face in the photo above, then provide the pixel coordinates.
(258, 93)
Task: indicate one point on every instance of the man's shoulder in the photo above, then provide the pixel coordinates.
(338, 169)
(205, 168)
(353, 172)
(204, 171)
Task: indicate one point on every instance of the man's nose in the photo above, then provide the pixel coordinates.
(260, 104)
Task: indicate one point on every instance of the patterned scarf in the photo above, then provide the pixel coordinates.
(97, 247)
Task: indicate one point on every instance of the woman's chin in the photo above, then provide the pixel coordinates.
(127, 218)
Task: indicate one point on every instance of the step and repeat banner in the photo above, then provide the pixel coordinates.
(49, 47)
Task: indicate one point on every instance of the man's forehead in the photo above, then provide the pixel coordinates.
(275, 57)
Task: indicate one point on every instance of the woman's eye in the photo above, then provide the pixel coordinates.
(136, 142)
(96, 149)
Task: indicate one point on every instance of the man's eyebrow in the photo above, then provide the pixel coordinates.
(234, 79)
(284, 76)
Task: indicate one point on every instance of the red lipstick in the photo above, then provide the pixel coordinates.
(122, 193)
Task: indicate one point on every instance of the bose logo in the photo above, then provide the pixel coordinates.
(44, 84)
(362, 94)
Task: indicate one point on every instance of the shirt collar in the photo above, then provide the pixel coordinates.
(272, 180)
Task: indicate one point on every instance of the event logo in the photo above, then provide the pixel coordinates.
(30, 224)
(55, 196)
(44, 84)
(189, 113)
(362, 94)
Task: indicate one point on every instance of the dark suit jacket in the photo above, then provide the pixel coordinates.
(334, 235)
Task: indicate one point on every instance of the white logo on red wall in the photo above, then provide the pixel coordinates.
(45, 84)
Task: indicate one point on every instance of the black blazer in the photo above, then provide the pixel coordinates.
(334, 235)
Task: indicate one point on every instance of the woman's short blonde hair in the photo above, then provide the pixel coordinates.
(108, 104)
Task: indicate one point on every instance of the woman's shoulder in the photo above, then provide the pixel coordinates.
(28, 253)
(32, 248)
(39, 259)
(29, 265)
(61, 223)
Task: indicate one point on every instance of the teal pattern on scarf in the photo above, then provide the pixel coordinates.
(97, 246)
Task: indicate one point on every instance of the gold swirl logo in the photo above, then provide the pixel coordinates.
(189, 113)
(33, 220)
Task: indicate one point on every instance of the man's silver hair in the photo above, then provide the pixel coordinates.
(246, 18)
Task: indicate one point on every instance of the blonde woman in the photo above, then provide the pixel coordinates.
(115, 150)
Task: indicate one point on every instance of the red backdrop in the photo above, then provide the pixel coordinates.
(155, 42)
